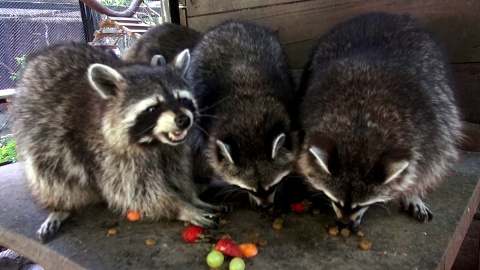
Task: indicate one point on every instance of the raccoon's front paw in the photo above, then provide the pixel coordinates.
(200, 217)
(51, 225)
(418, 208)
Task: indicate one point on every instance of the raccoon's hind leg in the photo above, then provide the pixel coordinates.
(417, 208)
(51, 225)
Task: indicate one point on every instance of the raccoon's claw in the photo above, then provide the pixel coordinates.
(418, 209)
(51, 225)
(200, 217)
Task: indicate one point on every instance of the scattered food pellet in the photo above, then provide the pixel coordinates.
(333, 231)
(133, 215)
(345, 232)
(150, 242)
(365, 245)
(360, 233)
(112, 231)
(187, 224)
(278, 224)
(248, 250)
(316, 211)
(262, 242)
(224, 222)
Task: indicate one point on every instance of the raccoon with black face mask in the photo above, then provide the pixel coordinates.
(90, 128)
(241, 81)
(162, 43)
(379, 115)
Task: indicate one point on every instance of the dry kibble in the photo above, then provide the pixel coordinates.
(262, 242)
(360, 233)
(112, 231)
(365, 245)
(150, 242)
(333, 231)
(278, 224)
(345, 232)
(223, 222)
(316, 211)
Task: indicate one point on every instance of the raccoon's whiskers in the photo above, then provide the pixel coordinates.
(213, 105)
(199, 127)
(230, 192)
(382, 205)
(145, 130)
(206, 115)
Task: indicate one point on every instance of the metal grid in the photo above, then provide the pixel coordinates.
(28, 26)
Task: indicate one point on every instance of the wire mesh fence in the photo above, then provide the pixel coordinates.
(26, 26)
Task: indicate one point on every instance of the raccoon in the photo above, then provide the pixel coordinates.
(162, 43)
(242, 85)
(90, 128)
(379, 115)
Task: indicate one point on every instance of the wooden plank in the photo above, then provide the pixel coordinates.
(130, 25)
(123, 19)
(300, 23)
(399, 242)
(468, 256)
(199, 7)
(467, 78)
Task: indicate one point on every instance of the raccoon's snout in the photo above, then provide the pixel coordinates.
(182, 121)
(348, 218)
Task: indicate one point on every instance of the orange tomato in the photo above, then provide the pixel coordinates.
(133, 215)
(248, 250)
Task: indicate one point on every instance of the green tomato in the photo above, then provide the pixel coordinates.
(237, 264)
(215, 259)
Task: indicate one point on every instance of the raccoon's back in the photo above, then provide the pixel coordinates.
(380, 82)
(240, 58)
(54, 104)
(167, 39)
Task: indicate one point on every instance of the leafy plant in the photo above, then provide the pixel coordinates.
(22, 60)
(7, 150)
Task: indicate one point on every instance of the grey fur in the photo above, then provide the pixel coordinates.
(241, 81)
(379, 115)
(79, 130)
(166, 39)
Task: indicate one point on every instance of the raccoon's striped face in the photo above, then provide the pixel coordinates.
(351, 184)
(258, 174)
(164, 118)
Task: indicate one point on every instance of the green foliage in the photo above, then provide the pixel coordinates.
(22, 60)
(7, 150)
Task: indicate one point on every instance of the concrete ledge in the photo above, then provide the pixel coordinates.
(398, 241)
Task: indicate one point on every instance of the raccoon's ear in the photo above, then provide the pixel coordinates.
(393, 163)
(158, 61)
(105, 80)
(225, 150)
(182, 61)
(321, 156)
(278, 143)
(324, 149)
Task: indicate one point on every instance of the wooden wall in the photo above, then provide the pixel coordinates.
(300, 23)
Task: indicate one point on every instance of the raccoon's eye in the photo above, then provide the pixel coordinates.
(151, 109)
(185, 101)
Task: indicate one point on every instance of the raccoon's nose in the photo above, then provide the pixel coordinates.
(182, 121)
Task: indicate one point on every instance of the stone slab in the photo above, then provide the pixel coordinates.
(398, 241)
